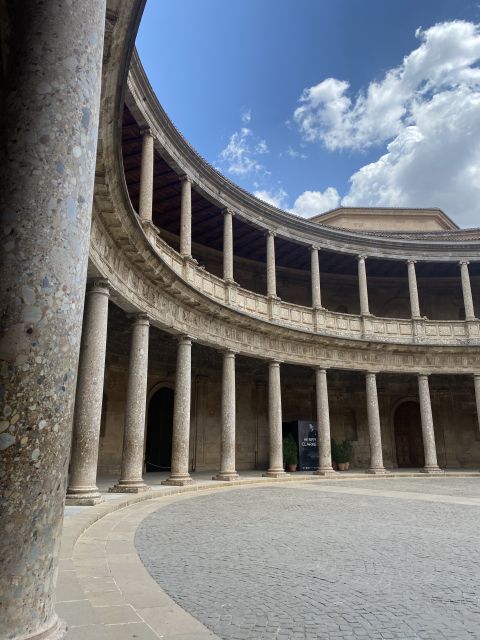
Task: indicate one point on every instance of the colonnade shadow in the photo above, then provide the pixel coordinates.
(158, 449)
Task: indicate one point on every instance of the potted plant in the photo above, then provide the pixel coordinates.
(290, 453)
(342, 454)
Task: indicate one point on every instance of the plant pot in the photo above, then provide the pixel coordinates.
(343, 466)
(292, 467)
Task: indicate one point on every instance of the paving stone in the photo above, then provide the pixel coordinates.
(304, 562)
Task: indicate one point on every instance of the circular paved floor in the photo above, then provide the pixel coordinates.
(370, 559)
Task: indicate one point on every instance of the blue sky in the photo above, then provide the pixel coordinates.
(310, 104)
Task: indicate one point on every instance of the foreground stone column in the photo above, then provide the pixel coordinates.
(271, 272)
(467, 291)
(146, 177)
(227, 461)
(276, 468)
(186, 218)
(228, 246)
(82, 487)
(413, 290)
(363, 288)
(476, 382)
(323, 425)
(49, 122)
(374, 430)
(315, 271)
(131, 480)
(179, 475)
(430, 449)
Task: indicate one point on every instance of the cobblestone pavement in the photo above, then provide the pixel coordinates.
(307, 562)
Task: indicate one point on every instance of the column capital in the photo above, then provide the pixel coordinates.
(411, 261)
(371, 373)
(314, 247)
(228, 211)
(274, 363)
(140, 318)
(423, 375)
(185, 178)
(186, 340)
(99, 285)
(321, 369)
(462, 262)
(476, 375)
(229, 353)
(361, 256)
(146, 131)
(270, 232)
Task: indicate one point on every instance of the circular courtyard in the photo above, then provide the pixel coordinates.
(377, 559)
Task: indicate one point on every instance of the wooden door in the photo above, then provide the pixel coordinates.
(408, 435)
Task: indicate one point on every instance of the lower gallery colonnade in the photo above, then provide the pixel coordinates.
(82, 487)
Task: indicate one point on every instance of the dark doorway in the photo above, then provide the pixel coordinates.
(408, 435)
(158, 452)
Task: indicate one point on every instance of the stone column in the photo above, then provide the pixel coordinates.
(186, 218)
(179, 475)
(276, 468)
(228, 246)
(476, 382)
(467, 291)
(362, 284)
(323, 425)
(82, 486)
(413, 289)
(146, 177)
(227, 463)
(271, 274)
(374, 430)
(315, 271)
(131, 480)
(49, 123)
(430, 450)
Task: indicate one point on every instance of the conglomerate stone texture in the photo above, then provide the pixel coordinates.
(372, 559)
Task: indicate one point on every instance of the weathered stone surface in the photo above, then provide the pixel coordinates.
(50, 110)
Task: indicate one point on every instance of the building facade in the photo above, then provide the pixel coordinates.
(178, 321)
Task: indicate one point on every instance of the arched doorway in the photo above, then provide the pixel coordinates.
(408, 435)
(158, 450)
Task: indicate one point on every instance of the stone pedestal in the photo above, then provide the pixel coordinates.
(374, 430)
(276, 467)
(82, 487)
(323, 426)
(49, 123)
(428, 434)
(179, 475)
(131, 480)
(227, 454)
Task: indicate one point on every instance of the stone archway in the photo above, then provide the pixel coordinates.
(408, 435)
(158, 449)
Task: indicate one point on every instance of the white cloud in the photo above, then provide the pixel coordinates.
(293, 153)
(276, 198)
(427, 111)
(246, 116)
(240, 155)
(311, 203)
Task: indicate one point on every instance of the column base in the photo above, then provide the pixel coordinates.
(86, 497)
(57, 631)
(325, 472)
(178, 481)
(431, 470)
(130, 487)
(275, 473)
(377, 472)
(226, 477)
